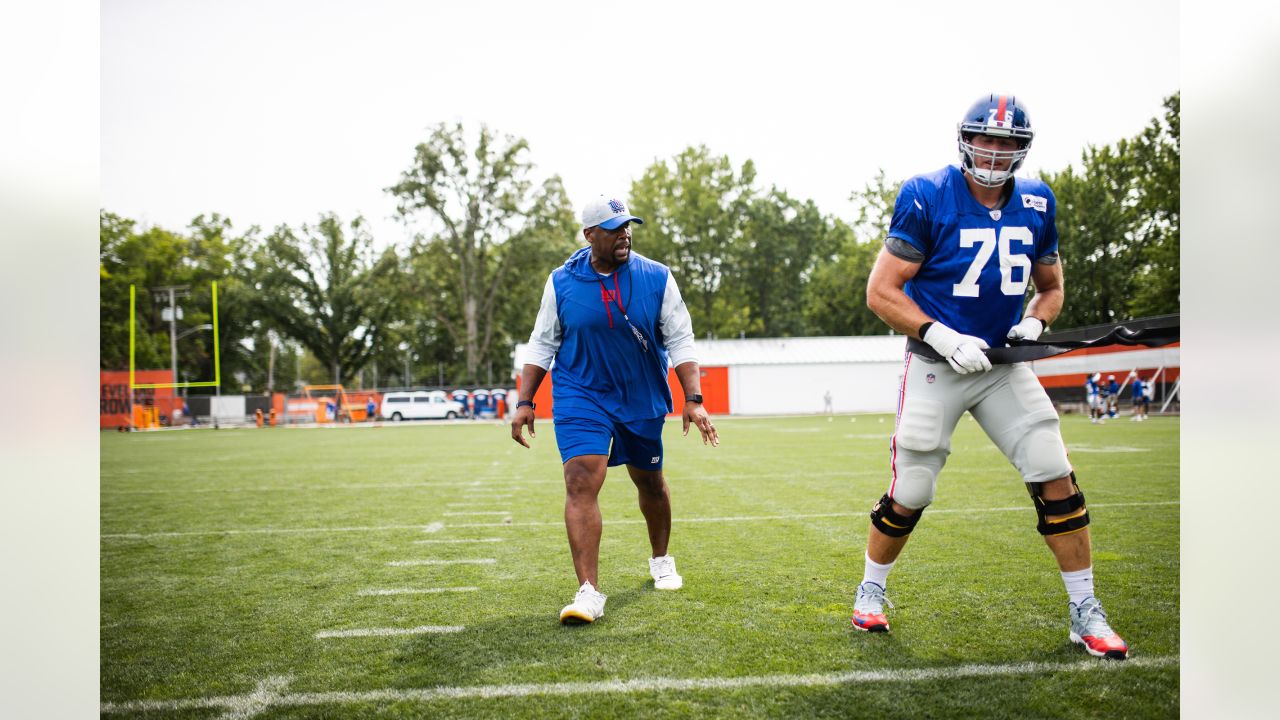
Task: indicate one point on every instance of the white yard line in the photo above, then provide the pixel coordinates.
(267, 693)
(477, 512)
(276, 531)
(383, 632)
(810, 516)
(457, 541)
(414, 591)
(308, 488)
(436, 527)
(647, 685)
(411, 563)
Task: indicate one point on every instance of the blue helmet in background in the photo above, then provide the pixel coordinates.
(999, 116)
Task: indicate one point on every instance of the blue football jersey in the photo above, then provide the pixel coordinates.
(977, 261)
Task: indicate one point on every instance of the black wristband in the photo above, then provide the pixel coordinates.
(924, 329)
(526, 403)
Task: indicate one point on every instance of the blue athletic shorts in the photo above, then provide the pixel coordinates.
(637, 443)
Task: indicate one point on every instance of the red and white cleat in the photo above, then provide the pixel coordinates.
(1089, 628)
(868, 608)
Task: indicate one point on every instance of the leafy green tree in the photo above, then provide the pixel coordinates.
(695, 210)
(836, 297)
(326, 289)
(1157, 152)
(154, 257)
(784, 242)
(1118, 226)
(489, 226)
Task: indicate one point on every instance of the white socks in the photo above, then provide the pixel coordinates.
(1079, 584)
(876, 573)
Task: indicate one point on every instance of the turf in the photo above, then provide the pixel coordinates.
(225, 552)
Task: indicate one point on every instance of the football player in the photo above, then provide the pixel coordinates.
(963, 244)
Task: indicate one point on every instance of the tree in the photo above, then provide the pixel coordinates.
(327, 290)
(694, 208)
(1118, 226)
(836, 297)
(784, 242)
(488, 222)
(1157, 152)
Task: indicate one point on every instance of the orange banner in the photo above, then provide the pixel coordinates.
(114, 407)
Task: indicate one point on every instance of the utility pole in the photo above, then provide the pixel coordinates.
(174, 314)
(271, 363)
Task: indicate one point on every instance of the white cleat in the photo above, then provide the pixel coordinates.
(663, 570)
(587, 606)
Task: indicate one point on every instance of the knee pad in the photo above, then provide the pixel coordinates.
(1073, 508)
(916, 481)
(891, 523)
(1040, 455)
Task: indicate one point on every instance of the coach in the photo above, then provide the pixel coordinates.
(614, 322)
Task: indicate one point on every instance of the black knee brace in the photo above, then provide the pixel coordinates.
(891, 523)
(1073, 507)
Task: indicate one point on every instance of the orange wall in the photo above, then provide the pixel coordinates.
(715, 392)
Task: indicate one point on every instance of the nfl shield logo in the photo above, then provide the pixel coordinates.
(930, 378)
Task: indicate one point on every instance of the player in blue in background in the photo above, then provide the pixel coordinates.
(1139, 398)
(613, 322)
(964, 243)
(1092, 398)
(1113, 396)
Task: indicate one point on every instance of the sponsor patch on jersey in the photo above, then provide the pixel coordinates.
(654, 460)
(1035, 201)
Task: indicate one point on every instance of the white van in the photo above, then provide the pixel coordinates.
(419, 405)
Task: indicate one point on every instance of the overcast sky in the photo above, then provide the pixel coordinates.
(273, 112)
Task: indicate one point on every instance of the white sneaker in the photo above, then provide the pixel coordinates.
(587, 606)
(663, 570)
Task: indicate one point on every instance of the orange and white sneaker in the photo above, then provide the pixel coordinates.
(587, 606)
(1089, 628)
(868, 608)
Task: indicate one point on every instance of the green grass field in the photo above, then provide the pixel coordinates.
(228, 556)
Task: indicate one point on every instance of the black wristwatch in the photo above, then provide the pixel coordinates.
(526, 403)
(694, 398)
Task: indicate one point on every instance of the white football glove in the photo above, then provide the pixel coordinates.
(963, 352)
(1029, 329)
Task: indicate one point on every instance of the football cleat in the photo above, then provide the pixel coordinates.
(1089, 628)
(868, 608)
(663, 570)
(587, 606)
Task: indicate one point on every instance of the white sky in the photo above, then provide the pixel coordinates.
(273, 112)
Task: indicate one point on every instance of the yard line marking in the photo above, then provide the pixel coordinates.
(471, 504)
(263, 696)
(434, 527)
(809, 516)
(641, 685)
(304, 488)
(381, 632)
(742, 518)
(459, 540)
(415, 591)
(274, 531)
(478, 512)
(410, 563)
